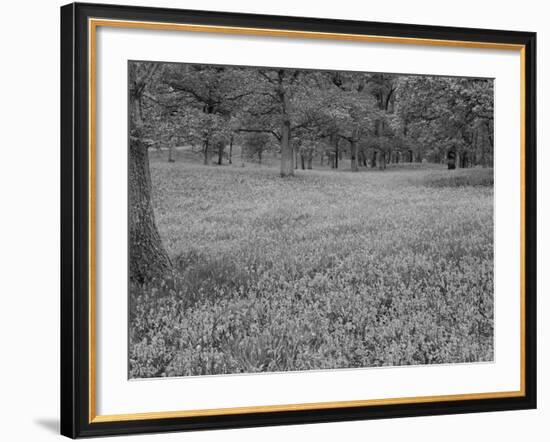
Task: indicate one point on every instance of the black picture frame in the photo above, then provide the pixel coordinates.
(75, 220)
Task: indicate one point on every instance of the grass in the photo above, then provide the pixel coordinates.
(328, 269)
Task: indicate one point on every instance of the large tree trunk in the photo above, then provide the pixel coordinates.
(310, 161)
(287, 168)
(303, 161)
(353, 149)
(147, 256)
(287, 151)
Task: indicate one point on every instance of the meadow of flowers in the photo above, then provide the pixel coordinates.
(325, 270)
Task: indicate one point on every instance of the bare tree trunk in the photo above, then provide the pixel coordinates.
(221, 147)
(171, 152)
(382, 161)
(353, 149)
(147, 255)
(206, 151)
(464, 160)
(231, 149)
(303, 162)
(287, 168)
(310, 161)
(336, 144)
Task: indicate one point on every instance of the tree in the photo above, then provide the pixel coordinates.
(209, 95)
(256, 144)
(148, 258)
(351, 111)
(441, 114)
(285, 101)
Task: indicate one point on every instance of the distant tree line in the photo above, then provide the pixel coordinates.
(371, 119)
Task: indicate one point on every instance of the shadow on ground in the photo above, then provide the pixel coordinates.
(51, 425)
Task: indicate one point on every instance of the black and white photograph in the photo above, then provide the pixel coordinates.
(285, 220)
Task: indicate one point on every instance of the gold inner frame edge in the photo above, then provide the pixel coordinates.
(93, 23)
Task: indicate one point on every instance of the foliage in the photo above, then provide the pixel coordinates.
(370, 113)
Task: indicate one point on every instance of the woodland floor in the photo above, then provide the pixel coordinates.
(327, 269)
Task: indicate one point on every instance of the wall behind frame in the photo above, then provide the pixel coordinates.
(29, 225)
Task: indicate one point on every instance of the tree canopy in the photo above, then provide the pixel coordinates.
(374, 119)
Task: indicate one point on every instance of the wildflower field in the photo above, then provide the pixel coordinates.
(327, 269)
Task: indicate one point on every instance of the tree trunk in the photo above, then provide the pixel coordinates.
(171, 153)
(148, 259)
(464, 160)
(353, 149)
(310, 162)
(286, 151)
(206, 151)
(303, 162)
(147, 256)
(220, 153)
(287, 168)
(382, 161)
(231, 150)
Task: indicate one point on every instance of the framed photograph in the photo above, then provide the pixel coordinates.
(274, 220)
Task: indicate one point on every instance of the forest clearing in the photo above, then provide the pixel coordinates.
(324, 269)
